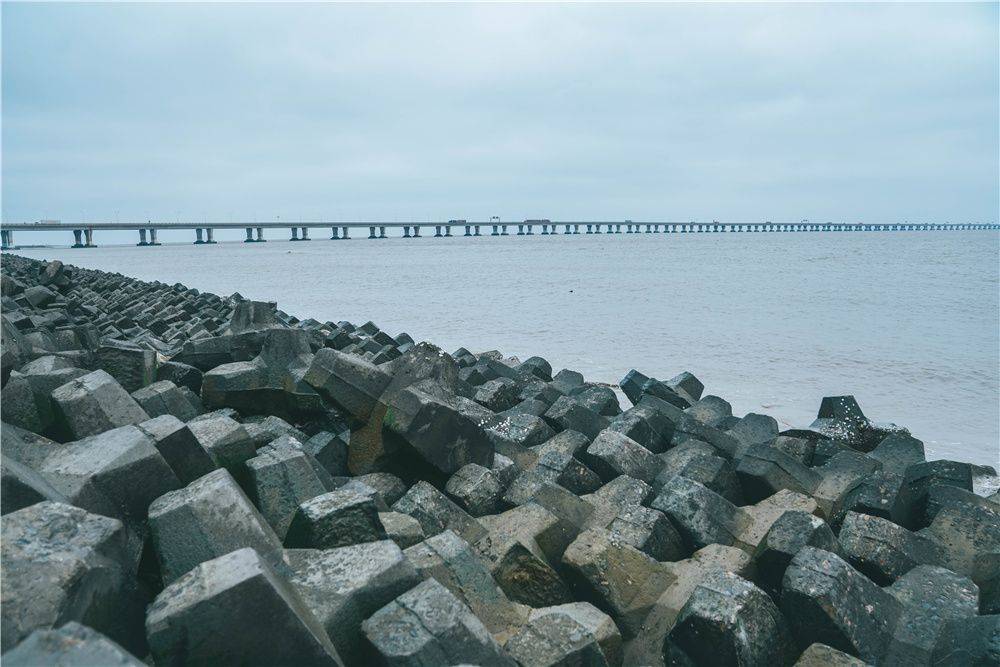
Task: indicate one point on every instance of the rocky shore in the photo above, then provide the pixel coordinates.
(206, 480)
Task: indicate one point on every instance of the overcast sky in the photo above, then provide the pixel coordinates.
(569, 111)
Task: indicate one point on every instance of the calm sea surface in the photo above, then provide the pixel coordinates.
(906, 321)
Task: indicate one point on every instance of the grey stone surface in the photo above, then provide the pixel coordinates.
(94, 403)
(72, 645)
(575, 633)
(342, 517)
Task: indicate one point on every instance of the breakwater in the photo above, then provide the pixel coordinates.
(204, 233)
(278, 491)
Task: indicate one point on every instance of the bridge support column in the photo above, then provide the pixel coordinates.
(335, 233)
(416, 231)
(496, 230)
(520, 230)
(210, 233)
(545, 230)
(198, 236)
(152, 236)
(381, 232)
(590, 229)
(476, 227)
(249, 238)
(305, 233)
(88, 234)
(406, 231)
(503, 230)
(529, 230)
(295, 234)
(260, 235)
(344, 233)
(447, 230)
(437, 230)
(567, 230)
(371, 232)
(7, 238)
(142, 236)
(468, 230)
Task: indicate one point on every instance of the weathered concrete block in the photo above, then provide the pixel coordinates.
(883, 551)
(646, 647)
(930, 597)
(72, 644)
(21, 487)
(349, 381)
(601, 400)
(879, 495)
(208, 518)
(761, 517)
(699, 462)
(612, 454)
(538, 367)
(821, 655)
(235, 609)
(520, 548)
(687, 385)
(711, 410)
(402, 529)
(615, 577)
(729, 621)
(61, 564)
(330, 449)
(701, 516)
(226, 441)
(182, 375)
(498, 395)
(451, 561)
(754, 429)
(920, 477)
(825, 600)
(345, 516)
(178, 446)
(92, 404)
(344, 586)
(575, 633)
(524, 429)
(282, 477)
(897, 452)
(568, 414)
(968, 641)
(649, 531)
(764, 470)
(164, 398)
(969, 538)
(428, 625)
(475, 489)
(788, 535)
(840, 475)
(26, 396)
(132, 366)
(566, 380)
(389, 487)
(556, 467)
(437, 513)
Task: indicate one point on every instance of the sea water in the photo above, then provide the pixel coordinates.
(772, 322)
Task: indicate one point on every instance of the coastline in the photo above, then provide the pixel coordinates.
(326, 436)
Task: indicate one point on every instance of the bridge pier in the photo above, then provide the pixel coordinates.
(371, 232)
(249, 238)
(447, 230)
(406, 231)
(305, 233)
(77, 235)
(496, 230)
(520, 230)
(381, 232)
(416, 231)
(7, 239)
(335, 233)
(530, 233)
(468, 230)
(295, 234)
(503, 230)
(344, 233)
(545, 230)
(260, 235)
(437, 230)
(88, 235)
(142, 237)
(590, 229)
(476, 228)
(152, 236)
(198, 233)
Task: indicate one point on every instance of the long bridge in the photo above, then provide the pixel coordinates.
(204, 232)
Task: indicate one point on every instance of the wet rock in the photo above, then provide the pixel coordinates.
(920, 477)
(761, 517)
(969, 539)
(182, 375)
(729, 621)
(92, 404)
(754, 429)
(428, 625)
(940, 496)
(350, 382)
(788, 535)
(839, 476)
(345, 516)
(687, 385)
(897, 452)
(235, 609)
(330, 450)
(475, 489)
(21, 487)
(556, 467)
(437, 513)
(576, 633)
(698, 462)
(72, 644)
(800, 449)
(601, 400)
(649, 531)
(567, 380)
(883, 551)
(389, 487)
(711, 410)
(825, 600)
(879, 495)
(208, 518)
(61, 563)
(612, 454)
(344, 586)
(450, 560)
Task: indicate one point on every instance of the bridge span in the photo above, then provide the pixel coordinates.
(204, 233)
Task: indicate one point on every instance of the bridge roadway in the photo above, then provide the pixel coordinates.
(205, 232)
